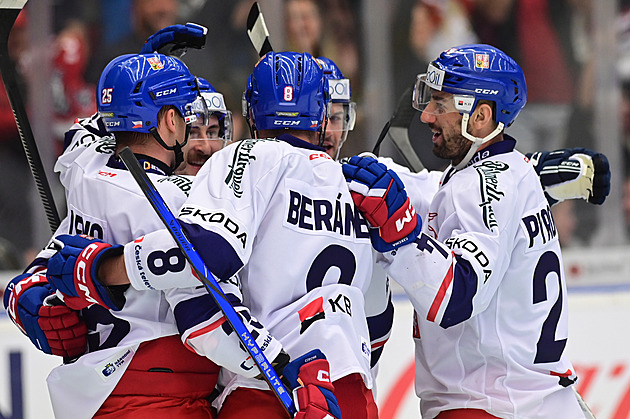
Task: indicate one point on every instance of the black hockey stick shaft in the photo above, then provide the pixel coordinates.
(397, 130)
(257, 30)
(9, 11)
(205, 276)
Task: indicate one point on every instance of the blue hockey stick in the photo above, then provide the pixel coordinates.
(205, 276)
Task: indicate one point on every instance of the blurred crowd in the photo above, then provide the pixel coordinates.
(550, 39)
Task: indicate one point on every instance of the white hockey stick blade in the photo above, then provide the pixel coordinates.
(257, 31)
(12, 4)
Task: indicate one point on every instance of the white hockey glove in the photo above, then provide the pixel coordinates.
(573, 173)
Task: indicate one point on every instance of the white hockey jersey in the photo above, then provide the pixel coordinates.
(486, 280)
(278, 212)
(105, 202)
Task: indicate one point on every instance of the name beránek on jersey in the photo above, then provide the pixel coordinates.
(335, 216)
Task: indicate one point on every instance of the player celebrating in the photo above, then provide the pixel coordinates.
(280, 197)
(488, 258)
(208, 135)
(147, 102)
(576, 173)
(343, 112)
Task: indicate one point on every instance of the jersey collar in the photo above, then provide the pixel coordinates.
(297, 142)
(150, 164)
(502, 147)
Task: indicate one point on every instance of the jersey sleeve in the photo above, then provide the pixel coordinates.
(84, 134)
(452, 277)
(205, 330)
(220, 218)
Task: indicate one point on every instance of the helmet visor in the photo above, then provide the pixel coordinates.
(214, 121)
(342, 116)
(216, 126)
(197, 111)
(429, 97)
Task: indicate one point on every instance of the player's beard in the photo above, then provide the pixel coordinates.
(453, 145)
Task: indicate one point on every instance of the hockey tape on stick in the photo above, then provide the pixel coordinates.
(257, 30)
(9, 11)
(202, 272)
(397, 129)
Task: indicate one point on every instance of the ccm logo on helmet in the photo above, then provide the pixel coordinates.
(286, 123)
(166, 92)
(487, 91)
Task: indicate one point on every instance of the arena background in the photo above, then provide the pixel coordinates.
(596, 252)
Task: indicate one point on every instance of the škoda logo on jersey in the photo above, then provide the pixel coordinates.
(205, 217)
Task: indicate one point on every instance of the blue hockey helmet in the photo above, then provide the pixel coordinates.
(133, 88)
(475, 72)
(286, 90)
(338, 85)
(339, 91)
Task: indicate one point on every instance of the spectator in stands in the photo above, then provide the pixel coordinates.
(535, 32)
(148, 16)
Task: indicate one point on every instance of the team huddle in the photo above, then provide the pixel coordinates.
(293, 237)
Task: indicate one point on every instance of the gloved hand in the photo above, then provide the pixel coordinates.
(175, 39)
(309, 378)
(55, 330)
(380, 195)
(573, 173)
(72, 271)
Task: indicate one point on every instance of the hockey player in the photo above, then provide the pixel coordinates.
(485, 275)
(576, 173)
(134, 340)
(343, 113)
(279, 197)
(207, 136)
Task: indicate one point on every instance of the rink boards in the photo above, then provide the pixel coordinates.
(599, 303)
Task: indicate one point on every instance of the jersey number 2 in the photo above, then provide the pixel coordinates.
(548, 349)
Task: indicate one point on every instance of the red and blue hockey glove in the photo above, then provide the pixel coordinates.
(72, 271)
(56, 330)
(175, 39)
(380, 195)
(572, 173)
(309, 377)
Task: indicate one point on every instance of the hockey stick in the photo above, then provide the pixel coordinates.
(257, 30)
(588, 414)
(202, 272)
(397, 129)
(9, 11)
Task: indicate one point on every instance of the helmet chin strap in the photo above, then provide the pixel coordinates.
(322, 133)
(476, 141)
(177, 148)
